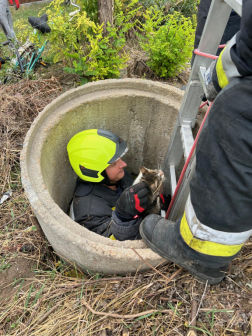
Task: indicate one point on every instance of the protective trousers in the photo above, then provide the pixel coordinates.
(6, 20)
(221, 188)
(217, 218)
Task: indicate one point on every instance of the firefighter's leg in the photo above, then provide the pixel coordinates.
(164, 238)
(9, 18)
(217, 218)
(6, 20)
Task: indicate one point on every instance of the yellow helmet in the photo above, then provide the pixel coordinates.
(90, 152)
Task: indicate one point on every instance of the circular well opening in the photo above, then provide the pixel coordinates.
(141, 112)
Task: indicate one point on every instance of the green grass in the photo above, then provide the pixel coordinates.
(4, 265)
(23, 13)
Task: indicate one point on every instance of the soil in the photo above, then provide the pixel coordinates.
(138, 70)
(67, 81)
(21, 268)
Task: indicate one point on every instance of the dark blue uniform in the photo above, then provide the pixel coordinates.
(93, 205)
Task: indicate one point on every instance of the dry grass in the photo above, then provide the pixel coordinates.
(19, 105)
(63, 302)
(60, 300)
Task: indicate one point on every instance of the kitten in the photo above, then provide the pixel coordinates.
(153, 178)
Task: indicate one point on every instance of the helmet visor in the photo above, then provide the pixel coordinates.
(121, 150)
(121, 145)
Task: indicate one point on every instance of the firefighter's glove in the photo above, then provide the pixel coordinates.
(165, 201)
(133, 201)
(211, 92)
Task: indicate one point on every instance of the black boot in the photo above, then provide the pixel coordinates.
(163, 237)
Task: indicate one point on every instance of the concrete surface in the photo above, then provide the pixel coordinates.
(143, 113)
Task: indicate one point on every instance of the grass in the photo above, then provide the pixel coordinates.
(4, 265)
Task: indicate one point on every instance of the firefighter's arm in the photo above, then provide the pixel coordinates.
(126, 218)
(114, 227)
(133, 201)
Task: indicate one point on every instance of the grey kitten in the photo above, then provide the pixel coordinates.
(154, 179)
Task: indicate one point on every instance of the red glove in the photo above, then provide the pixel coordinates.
(133, 201)
(164, 201)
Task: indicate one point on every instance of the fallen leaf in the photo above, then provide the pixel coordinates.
(5, 196)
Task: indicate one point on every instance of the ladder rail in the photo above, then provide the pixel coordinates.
(179, 204)
(218, 16)
(236, 5)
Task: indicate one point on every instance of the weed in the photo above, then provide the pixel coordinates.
(19, 288)
(172, 308)
(16, 281)
(4, 264)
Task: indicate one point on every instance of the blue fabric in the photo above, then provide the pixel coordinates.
(122, 218)
(125, 230)
(119, 191)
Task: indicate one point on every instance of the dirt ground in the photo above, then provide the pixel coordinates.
(41, 295)
(20, 268)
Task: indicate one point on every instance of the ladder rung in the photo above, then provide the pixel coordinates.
(202, 70)
(236, 5)
(173, 179)
(187, 138)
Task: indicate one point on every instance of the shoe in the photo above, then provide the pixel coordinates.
(161, 236)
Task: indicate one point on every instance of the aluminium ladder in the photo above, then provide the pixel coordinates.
(182, 138)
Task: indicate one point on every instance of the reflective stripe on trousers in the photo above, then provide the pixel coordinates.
(225, 67)
(206, 240)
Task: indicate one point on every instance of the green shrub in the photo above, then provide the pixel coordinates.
(80, 45)
(185, 7)
(90, 7)
(168, 41)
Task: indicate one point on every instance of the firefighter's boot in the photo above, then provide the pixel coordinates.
(164, 238)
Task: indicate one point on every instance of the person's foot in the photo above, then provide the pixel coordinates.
(161, 236)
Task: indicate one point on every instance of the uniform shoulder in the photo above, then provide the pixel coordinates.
(91, 205)
(83, 188)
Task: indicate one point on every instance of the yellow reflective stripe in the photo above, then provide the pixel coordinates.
(222, 77)
(206, 247)
(113, 208)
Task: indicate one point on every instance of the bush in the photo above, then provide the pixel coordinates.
(80, 45)
(82, 48)
(90, 7)
(168, 41)
(185, 7)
